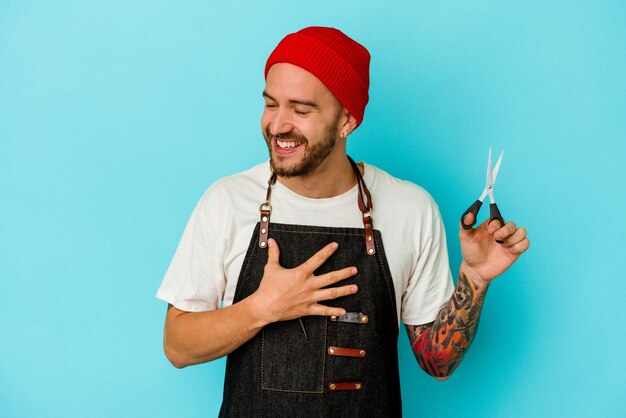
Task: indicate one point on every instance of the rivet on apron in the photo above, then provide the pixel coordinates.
(264, 219)
(262, 244)
(331, 350)
(351, 317)
(362, 353)
(332, 386)
(371, 251)
(357, 386)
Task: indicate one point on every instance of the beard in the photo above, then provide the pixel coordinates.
(314, 154)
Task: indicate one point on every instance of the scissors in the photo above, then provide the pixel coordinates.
(494, 213)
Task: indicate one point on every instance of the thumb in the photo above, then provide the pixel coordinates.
(273, 252)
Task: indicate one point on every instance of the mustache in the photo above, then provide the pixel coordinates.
(289, 136)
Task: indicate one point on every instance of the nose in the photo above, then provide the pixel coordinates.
(279, 122)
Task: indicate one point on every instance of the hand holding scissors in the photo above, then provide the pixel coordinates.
(494, 213)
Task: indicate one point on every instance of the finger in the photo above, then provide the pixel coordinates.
(493, 226)
(273, 252)
(335, 292)
(520, 247)
(465, 234)
(515, 237)
(468, 219)
(502, 233)
(333, 277)
(322, 310)
(319, 257)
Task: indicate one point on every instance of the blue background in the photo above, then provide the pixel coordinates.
(116, 115)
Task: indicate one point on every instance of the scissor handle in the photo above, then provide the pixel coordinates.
(494, 213)
(472, 209)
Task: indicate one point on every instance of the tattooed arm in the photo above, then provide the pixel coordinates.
(439, 346)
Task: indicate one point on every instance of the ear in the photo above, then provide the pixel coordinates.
(349, 125)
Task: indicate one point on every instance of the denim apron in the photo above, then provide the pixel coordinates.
(320, 366)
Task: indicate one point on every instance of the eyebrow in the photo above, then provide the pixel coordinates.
(294, 101)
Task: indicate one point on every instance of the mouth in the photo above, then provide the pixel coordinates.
(287, 144)
(286, 147)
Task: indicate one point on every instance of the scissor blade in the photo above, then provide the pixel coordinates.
(489, 172)
(497, 168)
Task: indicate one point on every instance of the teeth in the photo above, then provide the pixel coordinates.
(286, 144)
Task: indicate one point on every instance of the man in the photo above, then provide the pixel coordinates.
(292, 249)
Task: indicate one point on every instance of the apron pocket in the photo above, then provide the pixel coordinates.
(289, 361)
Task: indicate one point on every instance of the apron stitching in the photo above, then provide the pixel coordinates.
(262, 356)
(238, 290)
(245, 274)
(292, 391)
(382, 268)
(382, 265)
(317, 233)
(324, 362)
(239, 287)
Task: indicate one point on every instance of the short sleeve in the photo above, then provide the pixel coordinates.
(195, 280)
(430, 285)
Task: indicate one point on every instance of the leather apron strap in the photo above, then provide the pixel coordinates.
(364, 201)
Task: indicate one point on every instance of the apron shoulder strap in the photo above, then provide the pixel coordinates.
(365, 206)
(266, 210)
(364, 201)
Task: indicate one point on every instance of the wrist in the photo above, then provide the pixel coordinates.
(260, 312)
(479, 282)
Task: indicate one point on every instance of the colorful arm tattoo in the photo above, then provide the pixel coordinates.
(439, 346)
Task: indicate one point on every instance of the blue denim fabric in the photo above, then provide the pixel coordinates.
(279, 373)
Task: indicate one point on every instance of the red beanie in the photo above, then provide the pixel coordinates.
(338, 61)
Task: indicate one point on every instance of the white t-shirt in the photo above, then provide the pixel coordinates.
(204, 271)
